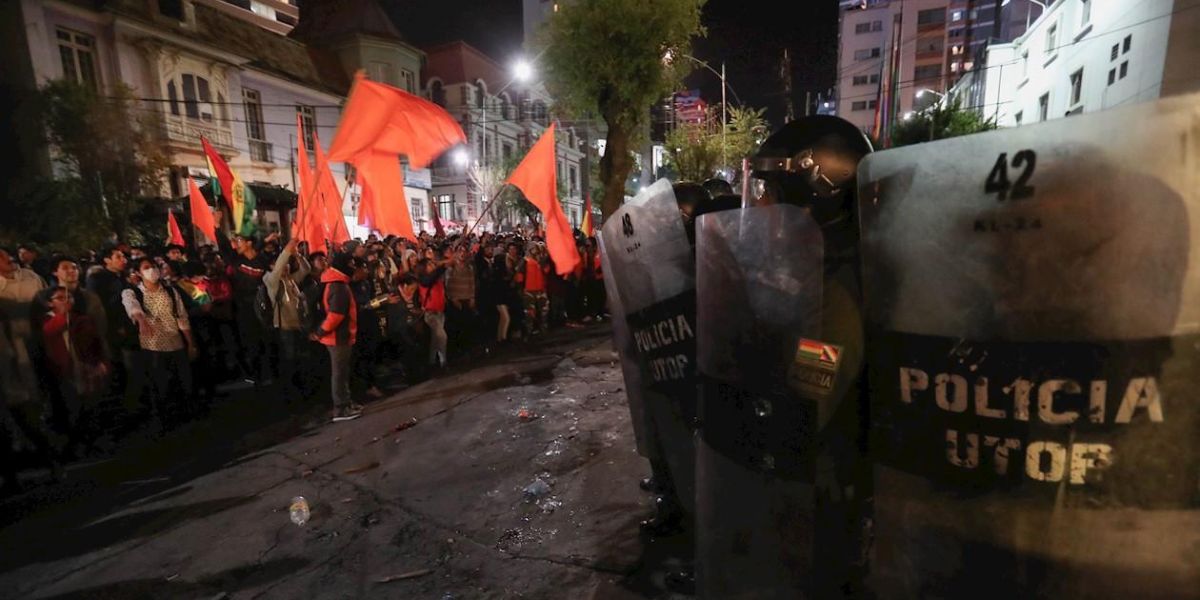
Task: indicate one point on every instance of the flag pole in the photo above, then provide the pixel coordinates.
(487, 208)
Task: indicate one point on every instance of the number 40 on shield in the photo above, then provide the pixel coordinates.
(997, 181)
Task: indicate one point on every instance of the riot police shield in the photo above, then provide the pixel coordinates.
(623, 342)
(759, 289)
(1033, 302)
(653, 274)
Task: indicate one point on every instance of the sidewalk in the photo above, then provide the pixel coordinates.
(433, 511)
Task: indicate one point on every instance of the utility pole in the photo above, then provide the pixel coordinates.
(785, 74)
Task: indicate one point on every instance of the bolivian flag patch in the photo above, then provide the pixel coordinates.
(815, 367)
(818, 352)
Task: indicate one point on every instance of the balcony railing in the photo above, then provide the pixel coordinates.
(260, 151)
(188, 131)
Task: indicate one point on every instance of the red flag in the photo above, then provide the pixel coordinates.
(537, 178)
(381, 118)
(174, 234)
(366, 204)
(220, 170)
(202, 217)
(585, 224)
(309, 225)
(382, 174)
(329, 198)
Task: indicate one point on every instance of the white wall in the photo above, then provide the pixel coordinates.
(1020, 73)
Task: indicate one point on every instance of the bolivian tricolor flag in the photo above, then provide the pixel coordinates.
(818, 352)
(586, 225)
(237, 194)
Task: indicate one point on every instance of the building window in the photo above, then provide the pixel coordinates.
(173, 97)
(954, 67)
(858, 105)
(924, 72)
(860, 80)
(956, 15)
(256, 132)
(480, 94)
(931, 44)
(1112, 76)
(1124, 69)
(445, 205)
(868, 26)
(308, 122)
(1025, 65)
(77, 52)
(956, 49)
(574, 181)
(171, 8)
(197, 97)
(1116, 48)
(437, 93)
(933, 15)
(866, 53)
(407, 80)
(1076, 87)
(1051, 38)
(1085, 12)
(1018, 117)
(1044, 107)
(506, 151)
(1126, 44)
(380, 72)
(872, 103)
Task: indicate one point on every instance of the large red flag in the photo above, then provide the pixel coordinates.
(380, 171)
(537, 178)
(379, 124)
(381, 118)
(309, 225)
(174, 234)
(202, 217)
(366, 204)
(329, 198)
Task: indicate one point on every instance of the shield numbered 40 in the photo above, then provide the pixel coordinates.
(1033, 302)
(651, 265)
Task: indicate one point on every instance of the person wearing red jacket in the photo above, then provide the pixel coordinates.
(337, 332)
(433, 293)
(74, 353)
(532, 276)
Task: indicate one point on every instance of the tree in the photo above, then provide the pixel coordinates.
(108, 161)
(940, 121)
(606, 58)
(695, 151)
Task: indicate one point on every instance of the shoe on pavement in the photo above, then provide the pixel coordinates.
(347, 413)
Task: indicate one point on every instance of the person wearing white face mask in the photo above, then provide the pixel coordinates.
(165, 336)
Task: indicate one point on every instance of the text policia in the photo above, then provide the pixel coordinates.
(1023, 400)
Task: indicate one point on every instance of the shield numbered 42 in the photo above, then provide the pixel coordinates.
(1033, 303)
(651, 265)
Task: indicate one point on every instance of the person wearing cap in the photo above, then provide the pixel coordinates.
(337, 332)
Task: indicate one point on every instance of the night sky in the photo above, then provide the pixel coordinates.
(749, 35)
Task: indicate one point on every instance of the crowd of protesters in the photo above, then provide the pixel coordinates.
(149, 335)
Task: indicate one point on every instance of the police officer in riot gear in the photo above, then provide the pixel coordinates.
(782, 483)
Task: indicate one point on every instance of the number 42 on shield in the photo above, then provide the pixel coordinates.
(997, 181)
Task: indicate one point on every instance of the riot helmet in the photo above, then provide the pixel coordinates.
(811, 162)
(691, 198)
(716, 186)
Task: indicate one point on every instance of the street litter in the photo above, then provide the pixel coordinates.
(527, 415)
(536, 489)
(362, 468)
(405, 425)
(402, 576)
(299, 510)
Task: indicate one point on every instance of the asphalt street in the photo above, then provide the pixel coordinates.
(517, 480)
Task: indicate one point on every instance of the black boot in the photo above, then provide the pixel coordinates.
(667, 520)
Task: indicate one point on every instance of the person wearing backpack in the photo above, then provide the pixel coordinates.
(164, 336)
(337, 330)
(283, 311)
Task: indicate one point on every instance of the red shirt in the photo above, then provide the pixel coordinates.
(535, 275)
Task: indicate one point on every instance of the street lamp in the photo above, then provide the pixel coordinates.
(460, 157)
(724, 85)
(921, 92)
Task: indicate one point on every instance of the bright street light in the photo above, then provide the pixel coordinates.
(460, 157)
(522, 71)
(908, 115)
(921, 92)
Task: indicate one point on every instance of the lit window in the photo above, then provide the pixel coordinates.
(967, 66)
(956, 15)
(953, 67)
